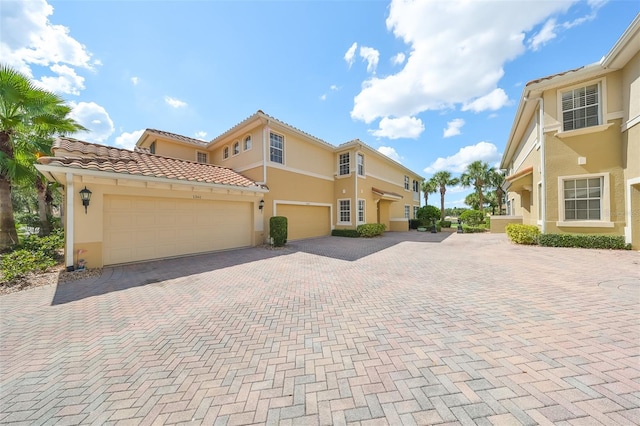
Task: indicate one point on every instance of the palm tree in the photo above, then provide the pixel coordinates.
(428, 187)
(29, 116)
(497, 179)
(478, 175)
(441, 180)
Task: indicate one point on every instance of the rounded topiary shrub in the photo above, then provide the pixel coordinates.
(523, 234)
(278, 230)
(472, 217)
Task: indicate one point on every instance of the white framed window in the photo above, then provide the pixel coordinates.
(343, 164)
(225, 152)
(344, 211)
(247, 143)
(416, 186)
(360, 160)
(407, 212)
(202, 157)
(581, 107)
(276, 148)
(152, 147)
(236, 148)
(584, 201)
(361, 212)
(406, 183)
(415, 212)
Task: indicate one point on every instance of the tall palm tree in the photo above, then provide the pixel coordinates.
(441, 180)
(478, 175)
(29, 116)
(497, 179)
(428, 187)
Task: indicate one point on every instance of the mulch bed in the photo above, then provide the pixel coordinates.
(53, 276)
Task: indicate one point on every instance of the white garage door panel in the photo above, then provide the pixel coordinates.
(306, 221)
(150, 228)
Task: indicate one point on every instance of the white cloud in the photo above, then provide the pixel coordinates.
(95, 118)
(349, 56)
(453, 128)
(201, 135)
(449, 64)
(67, 80)
(128, 140)
(493, 101)
(135, 81)
(334, 87)
(457, 163)
(174, 103)
(398, 59)
(323, 97)
(396, 128)
(29, 38)
(372, 56)
(390, 152)
(543, 36)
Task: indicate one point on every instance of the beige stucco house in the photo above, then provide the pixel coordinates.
(174, 195)
(573, 154)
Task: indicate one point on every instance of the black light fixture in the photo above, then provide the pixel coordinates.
(261, 204)
(85, 195)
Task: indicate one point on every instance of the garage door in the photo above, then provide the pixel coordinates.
(143, 228)
(306, 221)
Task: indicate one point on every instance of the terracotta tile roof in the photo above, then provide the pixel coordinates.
(549, 77)
(84, 155)
(383, 193)
(178, 137)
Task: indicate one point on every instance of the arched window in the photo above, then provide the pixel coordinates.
(247, 143)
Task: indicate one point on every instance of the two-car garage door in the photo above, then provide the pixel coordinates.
(305, 221)
(143, 228)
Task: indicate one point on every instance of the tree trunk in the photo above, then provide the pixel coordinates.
(442, 192)
(8, 234)
(45, 225)
(426, 198)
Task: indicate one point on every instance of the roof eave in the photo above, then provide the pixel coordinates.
(625, 48)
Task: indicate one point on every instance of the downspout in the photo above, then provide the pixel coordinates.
(69, 234)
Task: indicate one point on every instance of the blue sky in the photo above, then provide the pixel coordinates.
(433, 84)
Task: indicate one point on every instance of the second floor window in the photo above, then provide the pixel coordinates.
(416, 186)
(236, 148)
(225, 153)
(360, 164)
(580, 108)
(276, 151)
(247, 143)
(406, 183)
(201, 157)
(344, 164)
(152, 148)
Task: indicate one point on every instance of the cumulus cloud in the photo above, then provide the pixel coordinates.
(546, 34)
(371, 56)
(449, 64)
(453, 127)
(458, 162)
(491, 102)
(67, 81)
(396, 128)
(95, 118)
(334, 87)
(135, 81)
(350, 55)
(29, 38)
(174, 103)
(128, 140)
(390, 152)
(201, 135)
(398, 59)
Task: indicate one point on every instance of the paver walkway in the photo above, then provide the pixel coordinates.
(469, 330)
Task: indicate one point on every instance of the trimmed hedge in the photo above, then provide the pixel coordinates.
(445, 223)
(369, 230)
(351, 233)
(278, 230)
(613, 242)
(522, 234)
(472, 217)
(466, 229)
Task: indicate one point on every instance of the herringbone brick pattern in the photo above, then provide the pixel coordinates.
(471, 330)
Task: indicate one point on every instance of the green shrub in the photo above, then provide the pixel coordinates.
(369, 230)
(614, 242)
(427, 214)
(20, 262)
(414, 223)
(351, 233)
(278, 230)
(445, 223)
(522, 234)
(49, 245)
(473, 229)
(472, 217)
(487, 222)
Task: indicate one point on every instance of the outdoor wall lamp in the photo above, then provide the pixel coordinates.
(261, 204)
(85, 196)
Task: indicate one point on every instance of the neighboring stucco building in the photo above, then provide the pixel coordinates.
(573, 154)
(176, 195)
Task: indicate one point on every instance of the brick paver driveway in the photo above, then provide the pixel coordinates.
(469, 330)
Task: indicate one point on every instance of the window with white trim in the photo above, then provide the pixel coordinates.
(407, 212)
(344, 211)
(343, 164)
(415, 212)
(236, 148)
(360, 160)
(247, 143)
(406, 183)
(582, 199)
(201, 157)
(152, 147)
(225, 153)
(416, 186)
(361, 215)
(581, 107)
(276, 148)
